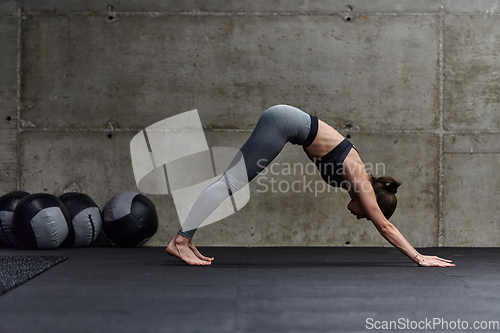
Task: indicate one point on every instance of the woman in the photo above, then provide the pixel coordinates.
(338, 163)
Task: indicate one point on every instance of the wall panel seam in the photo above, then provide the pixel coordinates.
(195, 13)
(441, 231)
(18, 125)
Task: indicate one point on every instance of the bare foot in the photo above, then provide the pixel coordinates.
(179, 247)
(197, 253)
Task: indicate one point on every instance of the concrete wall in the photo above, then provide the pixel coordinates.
(414, 83)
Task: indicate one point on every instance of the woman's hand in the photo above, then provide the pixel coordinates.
(433, 261)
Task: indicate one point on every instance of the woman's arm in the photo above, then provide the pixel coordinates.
(361, 185)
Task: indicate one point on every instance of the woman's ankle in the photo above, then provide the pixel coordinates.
(180, 239)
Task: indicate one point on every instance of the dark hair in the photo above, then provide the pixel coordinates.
(385, 190)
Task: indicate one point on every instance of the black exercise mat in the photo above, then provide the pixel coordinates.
(15, 270)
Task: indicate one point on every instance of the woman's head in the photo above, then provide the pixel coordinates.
(385, 189)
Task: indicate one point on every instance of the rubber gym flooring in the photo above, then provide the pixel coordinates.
(284, 289)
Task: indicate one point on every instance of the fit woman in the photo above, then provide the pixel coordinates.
(338, 163)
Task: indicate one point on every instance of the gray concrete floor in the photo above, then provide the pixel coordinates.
(287, 289)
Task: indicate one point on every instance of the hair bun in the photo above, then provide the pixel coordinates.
(392, 187)
(386, 182)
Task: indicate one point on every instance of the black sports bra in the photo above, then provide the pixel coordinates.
(330, 166)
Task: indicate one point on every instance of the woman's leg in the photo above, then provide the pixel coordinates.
(277, 126)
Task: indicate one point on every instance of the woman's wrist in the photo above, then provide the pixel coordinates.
(419, 259)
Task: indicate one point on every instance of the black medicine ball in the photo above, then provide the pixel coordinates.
(8, 203)
(129, 219)
(41, 221)
(86, 219)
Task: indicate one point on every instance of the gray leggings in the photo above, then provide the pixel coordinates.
(277, 126)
